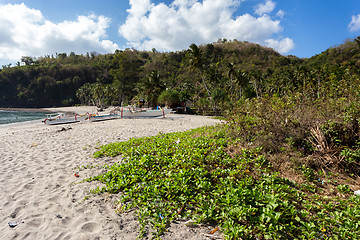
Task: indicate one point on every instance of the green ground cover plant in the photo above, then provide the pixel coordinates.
(208, 176)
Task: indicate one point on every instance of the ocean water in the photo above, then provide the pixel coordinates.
(7, 117)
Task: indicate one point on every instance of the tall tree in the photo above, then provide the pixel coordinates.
(197, 62)
(238, 78)
(27, 60)
(125, 72)
(151, 87)
(231, 73)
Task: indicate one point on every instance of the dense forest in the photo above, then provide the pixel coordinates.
(209, 78)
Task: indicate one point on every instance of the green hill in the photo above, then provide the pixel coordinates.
(228, 70)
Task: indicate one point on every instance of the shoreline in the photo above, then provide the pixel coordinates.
(22, 124)
(73, 109)
(45, 110)
(50, 109)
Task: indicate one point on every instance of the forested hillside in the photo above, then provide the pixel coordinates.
(209, 77)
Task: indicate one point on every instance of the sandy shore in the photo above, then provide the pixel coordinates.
(39, 189)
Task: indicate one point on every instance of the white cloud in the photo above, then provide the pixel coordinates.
(280, 14)
(354, 25)
(265, 8)
(282, 46)
(176, 26)
(142, 7)
(26, 32)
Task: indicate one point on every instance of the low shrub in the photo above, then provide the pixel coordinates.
(197, 175)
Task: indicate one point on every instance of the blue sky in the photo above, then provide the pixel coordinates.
(293, 27)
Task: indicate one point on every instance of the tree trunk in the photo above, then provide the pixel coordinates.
(208, 92)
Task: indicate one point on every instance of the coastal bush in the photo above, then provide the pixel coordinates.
(322, 129)
(170, 98)
(208, 177)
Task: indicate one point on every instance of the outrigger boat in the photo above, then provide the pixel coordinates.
(143, 113)
(64, 118)
(97, 117)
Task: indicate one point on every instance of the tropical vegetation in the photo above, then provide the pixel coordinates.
(283, 165)
(208, 78)
(270, 174)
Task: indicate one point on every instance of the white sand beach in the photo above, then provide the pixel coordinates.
(39, 189)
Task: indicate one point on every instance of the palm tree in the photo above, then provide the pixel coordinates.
(256, 80)
(242, 80)
(231, 74)
(197, 63)
(152, 86)
(238, 77)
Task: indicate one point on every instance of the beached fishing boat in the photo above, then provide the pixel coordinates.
(97, 117)
(64, 118)
(143, 113)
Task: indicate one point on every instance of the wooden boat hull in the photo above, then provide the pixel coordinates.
(60, 121)
(63, 118)
(103, 117)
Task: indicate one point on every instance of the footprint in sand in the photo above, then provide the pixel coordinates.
(35, 222)
(29, 186)
(15, 213)
(54, 199)
(90, 227)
